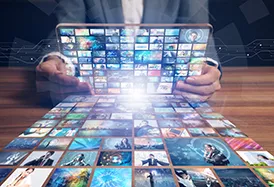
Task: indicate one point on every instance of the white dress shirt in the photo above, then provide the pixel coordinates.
(133, 11)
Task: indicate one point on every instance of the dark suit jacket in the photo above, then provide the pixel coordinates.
(38, 162)
(155, 11)
(154, 162)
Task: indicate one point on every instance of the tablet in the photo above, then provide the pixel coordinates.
(129, 58)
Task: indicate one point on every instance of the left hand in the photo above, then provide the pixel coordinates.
(202, 87)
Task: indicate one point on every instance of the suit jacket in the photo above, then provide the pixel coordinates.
(38, 162)
(155, 11)
(154, 162)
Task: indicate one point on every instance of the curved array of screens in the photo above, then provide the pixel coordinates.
(124, 61)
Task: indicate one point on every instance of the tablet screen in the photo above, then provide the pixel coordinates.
(147, 60)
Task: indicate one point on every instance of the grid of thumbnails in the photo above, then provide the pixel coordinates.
(154, 141)
(123, 61)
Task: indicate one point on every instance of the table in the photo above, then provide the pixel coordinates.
(246, 99)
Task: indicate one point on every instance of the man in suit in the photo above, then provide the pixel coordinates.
(44, 160)
(153, 162)
(54, 70)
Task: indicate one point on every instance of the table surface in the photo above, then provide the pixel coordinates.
(246, 99)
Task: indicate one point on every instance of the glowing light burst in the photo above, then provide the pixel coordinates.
(112, 177)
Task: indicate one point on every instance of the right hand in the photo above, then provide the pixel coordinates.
(51, 77)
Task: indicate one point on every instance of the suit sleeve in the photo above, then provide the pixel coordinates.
(31, 163)
(71, 11)
(67, 11)
(197, 11)
(144, 162)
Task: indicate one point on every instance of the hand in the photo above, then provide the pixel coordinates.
(51, 77)
(202, 87)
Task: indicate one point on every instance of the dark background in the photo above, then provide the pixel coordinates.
(244, 31)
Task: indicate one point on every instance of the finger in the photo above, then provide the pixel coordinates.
(200, 90)
(192, 97)
(209, 76)
(43, 86)
(55, 71)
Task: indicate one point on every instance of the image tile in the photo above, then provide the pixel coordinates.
(198, 177)
(30, 177)
(201, 152)
(42, 158)
(69, 177)
(23, 143)
(11, 158)
(154, 177)
(117, 143)
(115, 158)
(106, 177)
(79, 158)
(243, 143)
(85, 144)
(151, 158)
(257, 158)
(148, 144)
(238, 177)
(54, 143)
(267, 174)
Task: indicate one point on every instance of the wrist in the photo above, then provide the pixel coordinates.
(70, 68)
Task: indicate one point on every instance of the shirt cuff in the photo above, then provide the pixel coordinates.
(70, 68)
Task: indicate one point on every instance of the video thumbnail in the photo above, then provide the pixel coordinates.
(54, 143)
(154, 177)
(151, 158)
(267, 174)
(42, 158)
(23, 143)
(238, 177)
(112, 177)
(32, 177)
(117, 143)
(110, 158)
(84, 158)
(11, 158)
(194, 35)
(69, 177)
(148, 144)
(85, 144)
(201, 152)
(196, 177)
(257, 158)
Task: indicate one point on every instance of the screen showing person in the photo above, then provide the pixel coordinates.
(194, 35)
(27, 177)
(77, 159)
(42, 158)
(151, 158)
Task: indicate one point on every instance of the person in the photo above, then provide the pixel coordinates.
(23, 180)
(151, 179)
(78, 160)
(151, 161)
(214, 156)
(145, 129)
(193, 36)
(44, 160)
(265, 160)
(184, 179)
(124, 144)
(52, 72)
(157, 40)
